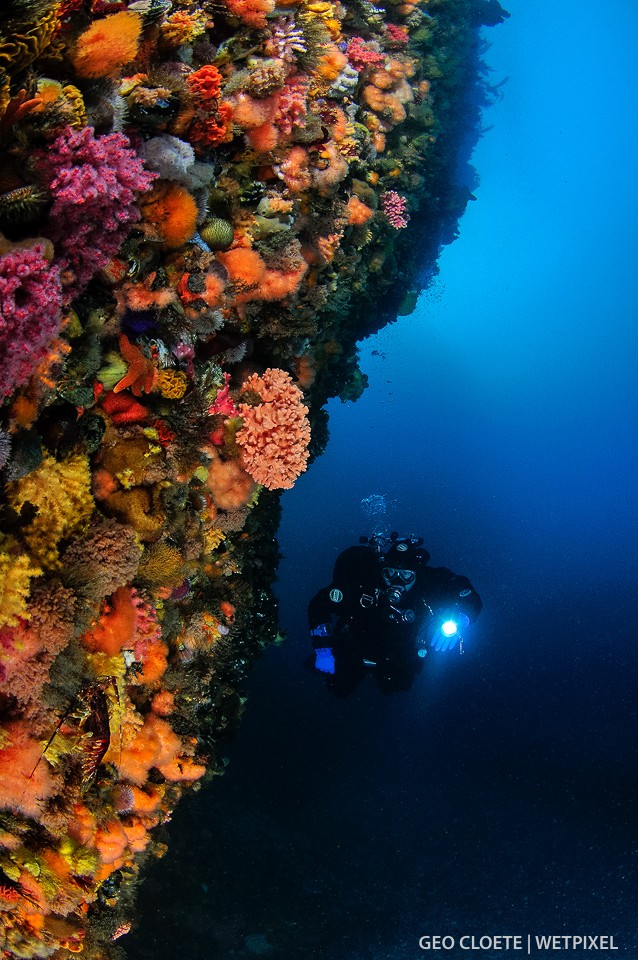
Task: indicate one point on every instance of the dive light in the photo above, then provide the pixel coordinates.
(447, 633)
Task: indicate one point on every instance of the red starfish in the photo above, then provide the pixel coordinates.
(141, 372)
(123, 409)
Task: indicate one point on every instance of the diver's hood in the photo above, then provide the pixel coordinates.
(405, 554)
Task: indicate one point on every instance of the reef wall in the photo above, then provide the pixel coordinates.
(203, 206)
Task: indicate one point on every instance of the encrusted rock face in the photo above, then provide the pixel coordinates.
(198, 205)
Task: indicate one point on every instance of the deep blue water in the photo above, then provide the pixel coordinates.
(499, 795)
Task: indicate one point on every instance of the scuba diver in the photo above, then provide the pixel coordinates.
(384, 608)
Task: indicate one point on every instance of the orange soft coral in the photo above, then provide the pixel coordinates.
(171, 212)
(154, 663)
(250, 113)
(278, 284)
(331, 62)
(115, 627)
(358, 212)
(205, 83)
(154, 745)
(229, 483)
(264, 138)
(25, 779)
(163, 703)
(276, 432)
(294, 170)
(252, 12)
(246, 270)
(197, 289)
(107, 45)
(243, 265)
(111, 841)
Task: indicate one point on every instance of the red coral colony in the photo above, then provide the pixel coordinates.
(199, 202)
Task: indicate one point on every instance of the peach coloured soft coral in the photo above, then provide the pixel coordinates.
(25, 780)
(276, 432)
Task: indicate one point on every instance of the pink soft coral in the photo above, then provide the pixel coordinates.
(30, 313)
(292, 103)
(363, 54)
(94, 182)
(276, 432)
(395, 208)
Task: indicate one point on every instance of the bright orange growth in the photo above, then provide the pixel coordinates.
(276, 284)
(111, 841)
(252, 12)
(331, 62)
(295, 170)
(213, 130)
(213, 287)
(228, 610)
(116, 625)
(107, 45)
(358, 212)
(249, 113)
(156, 745)
(163, 703)
(24, 411)
(172, 211)
(229, 483)
(264, 138)
(246, 270)
(154, 663)
(276, 432)
(24, 782)
(205, 83)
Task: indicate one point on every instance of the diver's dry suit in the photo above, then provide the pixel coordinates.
(384, 605)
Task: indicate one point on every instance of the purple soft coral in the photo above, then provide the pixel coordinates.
(94, 182)
(30, 313)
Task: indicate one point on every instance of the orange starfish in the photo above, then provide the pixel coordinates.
(141, 373)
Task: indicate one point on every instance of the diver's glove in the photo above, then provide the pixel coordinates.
(443, 643)
(447, 636)
(324, 660)
(321, 630)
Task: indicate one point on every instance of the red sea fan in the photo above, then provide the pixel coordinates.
(30, 313)
(94, 182)
(276, 432)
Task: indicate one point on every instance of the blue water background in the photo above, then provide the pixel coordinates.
(499, 795)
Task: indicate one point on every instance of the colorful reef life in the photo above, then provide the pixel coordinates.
(199, 202)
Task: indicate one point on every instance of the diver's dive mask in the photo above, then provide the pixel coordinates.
(398, 581)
